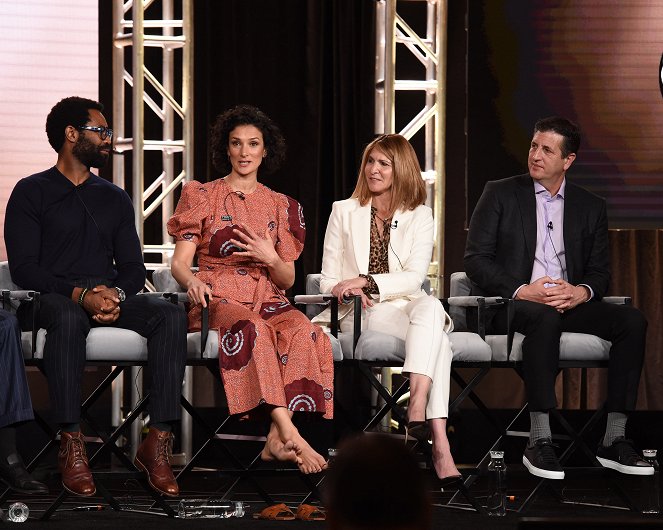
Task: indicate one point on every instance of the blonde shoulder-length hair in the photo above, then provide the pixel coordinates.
(408, 189)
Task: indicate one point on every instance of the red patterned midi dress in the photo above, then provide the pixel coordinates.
(269, 352)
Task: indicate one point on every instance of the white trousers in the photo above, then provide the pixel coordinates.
(420, 323)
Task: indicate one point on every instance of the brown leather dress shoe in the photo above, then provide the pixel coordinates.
(153, 457)
(73, 464)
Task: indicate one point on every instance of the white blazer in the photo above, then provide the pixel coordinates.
(347, 247)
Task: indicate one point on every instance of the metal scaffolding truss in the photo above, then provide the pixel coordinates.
(430, 51)
(148, 33)
(141, 37)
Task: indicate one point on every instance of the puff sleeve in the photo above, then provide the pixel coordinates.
(291, 231)
(186, 224)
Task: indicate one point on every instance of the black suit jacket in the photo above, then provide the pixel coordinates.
(501, 243)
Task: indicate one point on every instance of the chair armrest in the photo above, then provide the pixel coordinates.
(322, 299)
(480, 302)
(21, 296)
(620, 300)
(183, 298)
(177, 298)
(156, 294)
(474, 301)
(17, 295)
(314, 298)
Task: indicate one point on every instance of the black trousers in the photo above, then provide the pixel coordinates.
(163, 324)
(15, 404)
(624, 326)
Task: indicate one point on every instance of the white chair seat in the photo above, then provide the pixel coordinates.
(572, 347)
(103, 344)
(373, 346)
(377, 346)
(469, 347)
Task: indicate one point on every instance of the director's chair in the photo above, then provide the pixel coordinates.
(203, 351)
(577, 350)
(371, 352)
(115, 348)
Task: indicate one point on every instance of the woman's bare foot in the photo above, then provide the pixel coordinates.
(311, 460)
(276, 449)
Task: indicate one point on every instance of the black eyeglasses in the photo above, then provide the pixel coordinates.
(104, 132)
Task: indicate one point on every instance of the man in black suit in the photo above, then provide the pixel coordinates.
(543, 241)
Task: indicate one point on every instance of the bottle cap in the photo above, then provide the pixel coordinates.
(497, 454)
(649, 453)
(18, 512)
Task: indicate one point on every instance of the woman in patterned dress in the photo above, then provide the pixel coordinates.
(378, 245)
(246, 238)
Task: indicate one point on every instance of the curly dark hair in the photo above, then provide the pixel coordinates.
(247, 115)
(72, 111)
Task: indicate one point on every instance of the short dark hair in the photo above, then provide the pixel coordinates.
(376, 483)
(74, 111)
(569, 130)
(247, 115)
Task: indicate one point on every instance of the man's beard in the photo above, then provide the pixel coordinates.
(88, 154)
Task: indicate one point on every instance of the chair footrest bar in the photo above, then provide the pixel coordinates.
(240, 437)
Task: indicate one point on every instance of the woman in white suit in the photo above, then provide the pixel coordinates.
(378, 245)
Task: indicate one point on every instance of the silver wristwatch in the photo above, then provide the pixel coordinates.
(120, 294)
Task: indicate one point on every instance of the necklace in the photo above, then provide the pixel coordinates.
(375, 212)
(384, 221)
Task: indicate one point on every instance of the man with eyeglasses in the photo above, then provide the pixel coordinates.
(71, 236)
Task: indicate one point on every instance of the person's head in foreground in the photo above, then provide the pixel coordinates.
(375, 483)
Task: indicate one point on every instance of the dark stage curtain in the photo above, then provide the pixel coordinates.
(637, 271)
(309, 64)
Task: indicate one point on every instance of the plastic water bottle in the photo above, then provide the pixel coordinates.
(16, 513)
(650, 492)
(496, 500)
(210, 509)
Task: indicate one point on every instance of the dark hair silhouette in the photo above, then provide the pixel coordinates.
(376, 483)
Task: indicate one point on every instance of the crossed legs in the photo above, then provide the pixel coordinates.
(420, 323)
(443, 462)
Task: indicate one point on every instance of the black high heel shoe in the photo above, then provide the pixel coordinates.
(444, 482)
(419, 430)
(451, 480)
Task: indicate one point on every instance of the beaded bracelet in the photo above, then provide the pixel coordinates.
(82, 296)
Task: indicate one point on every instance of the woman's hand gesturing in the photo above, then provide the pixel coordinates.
(255, 247)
